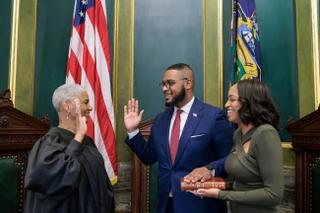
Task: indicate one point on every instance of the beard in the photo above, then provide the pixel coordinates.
(177, 99)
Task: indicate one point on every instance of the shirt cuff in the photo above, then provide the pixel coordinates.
(132, 134)
(210, 167)
(213, 173)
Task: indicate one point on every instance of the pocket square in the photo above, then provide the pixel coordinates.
(195, 136)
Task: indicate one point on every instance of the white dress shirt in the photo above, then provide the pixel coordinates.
(183, 116)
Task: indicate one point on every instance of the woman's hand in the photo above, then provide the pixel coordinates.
(213, 192)
(81, 122)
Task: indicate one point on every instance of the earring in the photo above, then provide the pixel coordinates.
(68, 115)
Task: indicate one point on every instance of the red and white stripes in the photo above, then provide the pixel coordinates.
(89, 65)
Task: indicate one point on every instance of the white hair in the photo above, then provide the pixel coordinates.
(66, 92)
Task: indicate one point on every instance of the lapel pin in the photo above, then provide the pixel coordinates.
(194, 114)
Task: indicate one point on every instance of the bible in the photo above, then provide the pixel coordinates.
(215, 182)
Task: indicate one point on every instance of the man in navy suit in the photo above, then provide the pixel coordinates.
(188, 139)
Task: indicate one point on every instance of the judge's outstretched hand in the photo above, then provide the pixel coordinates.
(132, 116)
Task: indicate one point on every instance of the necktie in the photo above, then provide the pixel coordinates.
(175, 135)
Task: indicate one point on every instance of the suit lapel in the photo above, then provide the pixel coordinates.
(192, 122)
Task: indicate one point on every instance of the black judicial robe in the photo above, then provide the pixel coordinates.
(64, 175)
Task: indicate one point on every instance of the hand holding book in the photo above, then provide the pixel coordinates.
(209, 188)
(214, 182)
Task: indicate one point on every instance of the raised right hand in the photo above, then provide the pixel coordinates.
(81, 122)
(132, 116)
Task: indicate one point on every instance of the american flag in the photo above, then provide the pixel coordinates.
(89, 65)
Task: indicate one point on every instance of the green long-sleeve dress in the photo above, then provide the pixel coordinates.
(258, 174)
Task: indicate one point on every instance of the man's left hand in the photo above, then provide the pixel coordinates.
(199, 174)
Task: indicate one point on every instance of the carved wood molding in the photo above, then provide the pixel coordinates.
(18, 133)
(305, 134)
(5, 98)
(4, 121)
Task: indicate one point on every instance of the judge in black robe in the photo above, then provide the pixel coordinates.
(65, 171)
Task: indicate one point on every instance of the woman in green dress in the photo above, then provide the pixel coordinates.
(255, 163)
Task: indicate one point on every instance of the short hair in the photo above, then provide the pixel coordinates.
(66, 92)
(179, 66)
(257, 106)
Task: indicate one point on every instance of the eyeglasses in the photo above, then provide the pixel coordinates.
(169, 83)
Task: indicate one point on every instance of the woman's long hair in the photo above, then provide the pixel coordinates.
(257, 106)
